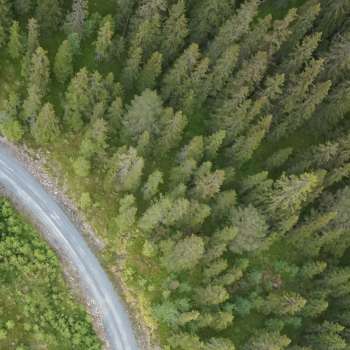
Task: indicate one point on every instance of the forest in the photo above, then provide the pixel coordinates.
(208, 143)
(36, 309)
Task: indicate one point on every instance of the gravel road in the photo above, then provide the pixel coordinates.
(66, 239)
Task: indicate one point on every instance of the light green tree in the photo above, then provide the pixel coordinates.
(151, 187)
(45, 129)
(125, 170)
(150, 72)
(104, 38)
(15, 44)
(185, 255)
(63, 65)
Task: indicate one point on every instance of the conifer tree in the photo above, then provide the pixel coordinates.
(127, 213)
(10, 125)
(39, 73)
(193, 150)
(245, 146)
(164, 213)
(306, 16)
(251, 229)
(268, 340)
(82, 167)
(222, 70)
(257, 38)
(151, 187)
(33, 36)
(233, 29)
(5, 21)
(277, 159)
(183, 172)
(207, 16)
(63, 65)
(15, 44)
(219, 343)
(114, 116)
(31, 45)
(104, 38)
(94, 142)
(32, 104)
(211, 295)
(132, 67)
(174, 126)
(124, 10)
(301, 54)
(337, 59)
(327, 336)
(207, 183)
(303, 111)
(45, 129)
(283, 303)
(76, 20)
(185, 254)
(289, 193)
(247, 77)
(213, 144)
(281, 31)
(48, 13)
(145, 27)
(297, 93)
(333, 14)
(125, 170)
(77, 104)
(150, 105)
(179, 72)
(174, 32)
(150, 72)
(185, 341)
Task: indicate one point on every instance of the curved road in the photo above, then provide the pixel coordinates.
(64, 236)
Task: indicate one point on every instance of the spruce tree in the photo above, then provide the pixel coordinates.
(125, 170)
(63, 65)
(151, 187)
(131, 70)
(233, 29)
(77, 105)
(31, 45)
(333, 14)
(94, 142)
(185, 254)
(150, 72)
(289, 193)
(15, 44)
(207, 183)
(104, 38)
(222, 70)
(5, 20)
(39, 73)
(268, 341)
(245, 146)
(45, 129)
(48, 13)
(251, 229)
(174, 32)
(76, 19)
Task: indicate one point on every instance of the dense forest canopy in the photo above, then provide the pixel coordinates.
(208, 142)
(36, 309)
